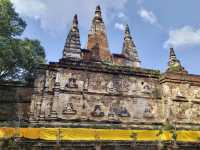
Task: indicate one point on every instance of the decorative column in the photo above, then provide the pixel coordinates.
(56, 92)
(44, 100)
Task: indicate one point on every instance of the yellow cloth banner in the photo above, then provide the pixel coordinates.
(87, 134)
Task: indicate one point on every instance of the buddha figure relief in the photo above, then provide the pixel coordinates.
(69, 110)
(97, 111)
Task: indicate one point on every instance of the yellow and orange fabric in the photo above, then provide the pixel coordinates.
(88, 134)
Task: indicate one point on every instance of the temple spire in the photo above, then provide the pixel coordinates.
(98, 13)
(129, 49)
(97, 36)
(72, 47)
(97, 22)
(174, 65)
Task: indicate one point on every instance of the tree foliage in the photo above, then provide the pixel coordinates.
(18, 57)
(10, 23)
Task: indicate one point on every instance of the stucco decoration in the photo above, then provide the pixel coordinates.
(72, 83)
(69, 109)
(97, 112)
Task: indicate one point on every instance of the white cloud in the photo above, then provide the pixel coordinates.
(119, 26)
(185, 36)
(121, 15)
(147, 16)
(55, 15)
(30, 8)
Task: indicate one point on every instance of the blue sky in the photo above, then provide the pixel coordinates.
(155, 25)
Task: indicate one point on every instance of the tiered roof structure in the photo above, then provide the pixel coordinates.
(72, 47)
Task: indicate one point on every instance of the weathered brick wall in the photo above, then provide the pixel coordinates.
(14, 101)
(181, 95)
(98, 96)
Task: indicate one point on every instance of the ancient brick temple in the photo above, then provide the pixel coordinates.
(93, 87)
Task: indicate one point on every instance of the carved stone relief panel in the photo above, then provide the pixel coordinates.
(96, 109)
(186, 112)
(73, 81)
(39, 83)
(123, 112)
(195, 92)
(84, 110)
(117, 110)
(69, 106)
(124, 84)
(86, 81)
(112, 114)
(120, 109)
(150, 111)
(123, 109)
(196, 112)
(36, 103)
(111, 88)
(50, 80)
(180, 91)
(69, 109)
(97, 83)
(144, 87)
(140, 106)
(133, 86)
(97, 112)
(118, 84)
(193, 112)
(179, 109)
(166, 90)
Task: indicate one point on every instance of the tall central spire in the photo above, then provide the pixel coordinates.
(129, 49)
(97, 36)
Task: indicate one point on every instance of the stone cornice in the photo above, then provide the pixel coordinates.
(180, 78)
(102, 67)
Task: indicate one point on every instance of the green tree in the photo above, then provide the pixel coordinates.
(18, 57)
(10, 23)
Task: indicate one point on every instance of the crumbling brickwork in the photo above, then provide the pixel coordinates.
(15, 99)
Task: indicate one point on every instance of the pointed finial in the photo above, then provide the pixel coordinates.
(172, 53)
(172, 56)
(127, 30)
(75, 20)
(98, 8)
(75, 23)
(98, 12)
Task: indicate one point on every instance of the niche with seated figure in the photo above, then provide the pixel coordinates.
(69, 110)
(97, 111)
(72, 83)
